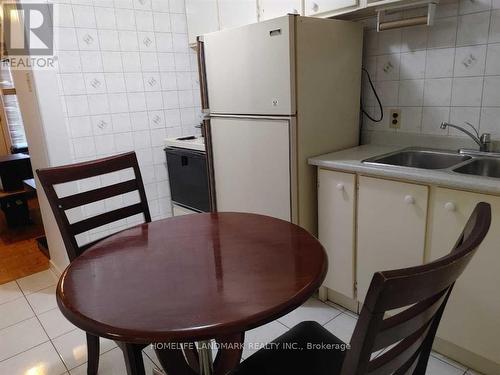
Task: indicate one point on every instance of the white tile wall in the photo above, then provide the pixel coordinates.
(447, 72)
(127, 80)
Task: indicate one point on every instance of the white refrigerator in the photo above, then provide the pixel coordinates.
(276, 93)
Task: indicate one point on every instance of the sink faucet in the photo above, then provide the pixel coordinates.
(483, 140)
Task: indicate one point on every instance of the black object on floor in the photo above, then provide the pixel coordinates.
(16, 210)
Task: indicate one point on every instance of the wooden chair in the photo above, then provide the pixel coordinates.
(407, 336)
(51, 177)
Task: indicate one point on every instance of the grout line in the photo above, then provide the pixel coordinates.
(12, 300)
(334, 305)
(21, 321)
(484, 76)
(283, 324)
(50, 340)
(24, 351)
(335, 317)
(84, 363)
(62, 334)
(448, 361)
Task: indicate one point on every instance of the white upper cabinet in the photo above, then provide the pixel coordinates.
(276, 8)
(202, 17)
(320, 7)
(237, 13)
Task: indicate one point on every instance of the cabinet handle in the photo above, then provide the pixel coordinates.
(340, 186)
(409, 199)
(315, 7)
(450, 206)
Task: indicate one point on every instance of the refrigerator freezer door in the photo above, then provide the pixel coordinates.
(250, 70)
(251, 159)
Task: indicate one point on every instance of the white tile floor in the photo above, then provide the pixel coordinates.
(35, 338)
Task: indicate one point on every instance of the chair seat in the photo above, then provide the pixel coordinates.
(291, 353)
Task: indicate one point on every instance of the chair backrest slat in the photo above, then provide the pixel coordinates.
(50, 178)
(422, 292)
(88, 169)
(409, 367)
(95, 195)
(399, 355)
(105, 218)
(396, 328)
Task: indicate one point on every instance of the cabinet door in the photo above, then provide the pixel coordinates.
(318, 7)
(391, 228)
(470, 320)
(276, 8)
(336, 207)
(237, 13)
(202, 18)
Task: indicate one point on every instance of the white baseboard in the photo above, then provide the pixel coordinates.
(55, 269)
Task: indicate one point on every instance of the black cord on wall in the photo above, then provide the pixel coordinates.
(376, 96)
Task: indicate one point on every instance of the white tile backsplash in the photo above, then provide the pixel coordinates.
(414, 38)
(412, 65)
(388, 67)
(470, 61)
(126, 75)
(432, 117)
(437, 92)
(411, 92)
(447, 72)
(439, 63)
(443, 33)
(494, 36)
(493, 60)
(490, 121)
(473, 6)
(473, 28)
(467, 92)
(491, 92)
(463, 114)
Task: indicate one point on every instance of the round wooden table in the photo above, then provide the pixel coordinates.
(189, 279)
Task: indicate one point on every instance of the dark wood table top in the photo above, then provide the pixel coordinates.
(191, 277)
(13, 157)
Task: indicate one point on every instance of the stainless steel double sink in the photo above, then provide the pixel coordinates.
(473, 163)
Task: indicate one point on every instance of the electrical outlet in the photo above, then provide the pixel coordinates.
(395, 118)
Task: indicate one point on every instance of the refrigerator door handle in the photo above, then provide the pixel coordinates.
(207, 130)
(203, 73)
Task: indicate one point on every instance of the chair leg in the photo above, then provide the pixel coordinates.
(227, 359)
(173, 361)
(133, 359)
(93, 354)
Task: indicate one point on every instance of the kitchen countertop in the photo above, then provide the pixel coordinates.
(198, 143)
(350, 160)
